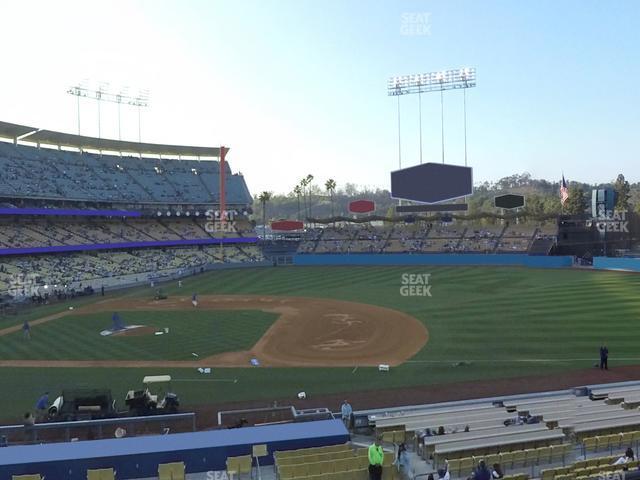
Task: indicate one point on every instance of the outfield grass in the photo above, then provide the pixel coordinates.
(503, 321)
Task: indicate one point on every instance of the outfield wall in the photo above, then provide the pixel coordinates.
(608, 263)
(506, 259)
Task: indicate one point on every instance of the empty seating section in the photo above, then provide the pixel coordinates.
(336, 462)
(57, 174)
(420, 238)
(529, 434)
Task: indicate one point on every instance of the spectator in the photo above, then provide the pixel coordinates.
(482, 472)
(441, 430)
(443, 473)
(496, 471)
(403, 457)
(626, 458)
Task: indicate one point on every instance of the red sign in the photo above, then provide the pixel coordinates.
(362, 206)
(287, 225)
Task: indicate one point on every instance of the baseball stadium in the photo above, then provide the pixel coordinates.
(161, 320)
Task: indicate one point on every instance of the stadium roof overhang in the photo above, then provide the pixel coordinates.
(14, 131)
(48, 137)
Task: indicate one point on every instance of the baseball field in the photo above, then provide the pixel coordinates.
(324, 330)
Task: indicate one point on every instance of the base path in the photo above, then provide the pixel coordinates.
(309, 332)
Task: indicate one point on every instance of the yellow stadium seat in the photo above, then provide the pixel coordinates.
(300, 470)
(547, 474)
(519, 457)
(544, 455)
(531, 456)
(590, 444)
(101, 474)
(466, 466)
(233, 466)
(454, 467)
(400, 436)
(492, 459)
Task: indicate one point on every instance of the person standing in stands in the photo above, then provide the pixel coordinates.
(482, 472)
(345, 412)
(376, 457)
(604, 357)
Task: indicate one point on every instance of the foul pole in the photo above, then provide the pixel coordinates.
(223, 200)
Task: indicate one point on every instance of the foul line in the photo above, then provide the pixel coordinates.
(228, 380)
(525, 360)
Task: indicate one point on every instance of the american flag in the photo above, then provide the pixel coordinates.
(564, 191)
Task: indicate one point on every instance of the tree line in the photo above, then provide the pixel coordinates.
(310, 198)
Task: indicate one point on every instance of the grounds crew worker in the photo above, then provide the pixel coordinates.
(376, 457)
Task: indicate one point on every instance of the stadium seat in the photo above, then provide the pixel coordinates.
(101, 474)
(547, 474)
(233, 466)
(492, 459)
(454, 467)
(544, 454)
(466, 466)
(506, 459)
(531, 456)
(519, 458)
(171, 471)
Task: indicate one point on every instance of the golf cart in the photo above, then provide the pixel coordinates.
(144, 402)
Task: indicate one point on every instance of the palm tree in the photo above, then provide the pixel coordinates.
(330, 185)
(309, 179)
(298, 191)
(264, 198)
(303, 186)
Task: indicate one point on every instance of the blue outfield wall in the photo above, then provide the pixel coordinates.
(607, 263)
(433, 259)
(139, 457)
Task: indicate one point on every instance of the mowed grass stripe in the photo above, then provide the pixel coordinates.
(77, 337)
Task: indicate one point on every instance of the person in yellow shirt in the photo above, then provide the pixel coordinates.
(376, 457)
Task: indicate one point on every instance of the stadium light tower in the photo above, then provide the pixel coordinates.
(102, 94)
(461, 78)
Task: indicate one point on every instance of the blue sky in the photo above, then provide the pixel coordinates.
(297, 87)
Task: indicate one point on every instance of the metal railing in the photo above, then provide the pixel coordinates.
(29, 433)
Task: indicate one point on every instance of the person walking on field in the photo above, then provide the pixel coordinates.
(345, 412)
(26, 330)
(376, 457)
(604, 357)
